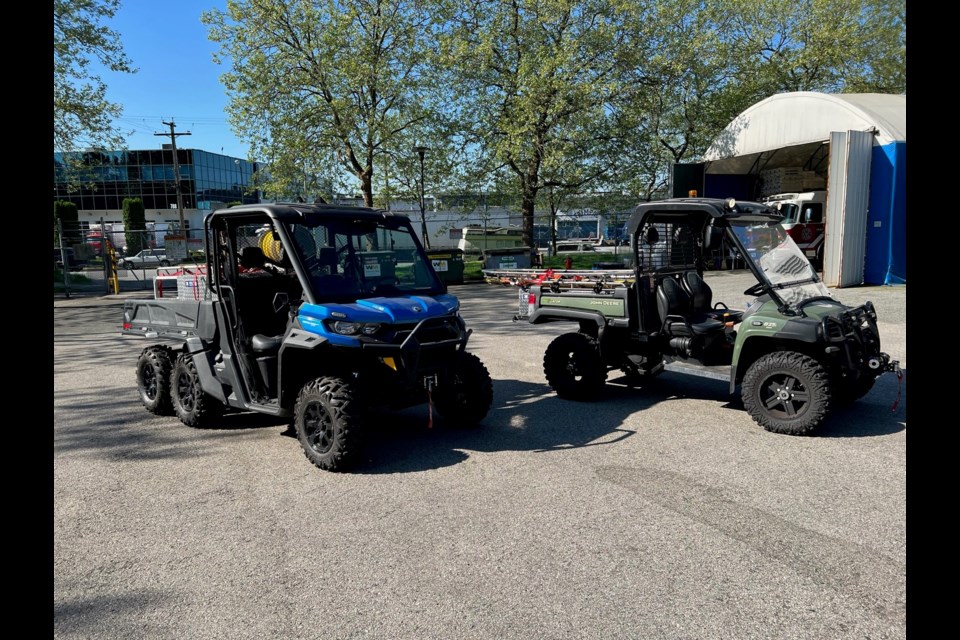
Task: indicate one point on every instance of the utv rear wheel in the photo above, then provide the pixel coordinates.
(573, 367)
(328, 424)
(153, 379)
(194, 406)
(465, 397)
(787, 392)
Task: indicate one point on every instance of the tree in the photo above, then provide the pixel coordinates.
(66, 216)
(533, 79)
(134, 225)
(82, 115)
(711, 61)
(321, 85)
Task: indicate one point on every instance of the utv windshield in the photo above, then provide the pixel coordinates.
(350, 259)
(779, 260)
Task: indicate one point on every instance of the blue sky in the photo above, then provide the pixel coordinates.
(176, 79)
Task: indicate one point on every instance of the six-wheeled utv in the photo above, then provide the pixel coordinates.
(315, 312)
(795, 351)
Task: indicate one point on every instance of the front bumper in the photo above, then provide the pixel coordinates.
(426, 350)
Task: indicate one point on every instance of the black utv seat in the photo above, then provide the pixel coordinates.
(266, 344)
(676, 311)
(701, 296)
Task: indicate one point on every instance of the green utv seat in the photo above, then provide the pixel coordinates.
(701, 296)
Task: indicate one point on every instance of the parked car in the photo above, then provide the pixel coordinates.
(574, 247)
(145, 259)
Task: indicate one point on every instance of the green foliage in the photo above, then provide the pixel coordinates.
(134, 224)
(583, 261)
(82, 115)
(65, 213)
(72, 278)
(532, 80)
(472, 270)
(324, 87)
(539, 101)
(711, 61)
(235, 203)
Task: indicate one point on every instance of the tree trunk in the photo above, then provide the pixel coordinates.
(366, 187)
(527, 202)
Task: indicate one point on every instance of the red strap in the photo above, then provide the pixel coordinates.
(429, 409)
(899, 389)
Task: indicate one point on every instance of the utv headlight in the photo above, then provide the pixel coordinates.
(345, 328)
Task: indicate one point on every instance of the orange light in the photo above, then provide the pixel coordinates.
(692, 193)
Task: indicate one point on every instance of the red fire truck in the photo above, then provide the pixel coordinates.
(804, 216)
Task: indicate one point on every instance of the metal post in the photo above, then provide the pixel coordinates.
(103, 256)
(63, 258)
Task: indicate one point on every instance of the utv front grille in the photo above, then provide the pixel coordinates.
(447, 329)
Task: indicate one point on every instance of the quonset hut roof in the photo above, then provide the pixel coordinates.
(803, 119)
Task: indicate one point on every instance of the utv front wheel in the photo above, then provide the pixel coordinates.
(194, 406)
(573, 367)
(153, 379)
(787, 392)
(465, 397)
(328, 424)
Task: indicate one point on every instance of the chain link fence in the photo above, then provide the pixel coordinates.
(93, 255)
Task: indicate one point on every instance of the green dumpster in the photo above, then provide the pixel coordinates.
(448, 263)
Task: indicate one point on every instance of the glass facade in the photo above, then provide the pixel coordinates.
(104, 178)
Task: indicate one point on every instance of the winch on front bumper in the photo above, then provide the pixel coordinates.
(852, 336)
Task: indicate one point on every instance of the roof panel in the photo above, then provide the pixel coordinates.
(789, 119)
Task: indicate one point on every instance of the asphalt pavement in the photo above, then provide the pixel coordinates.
(660, 511)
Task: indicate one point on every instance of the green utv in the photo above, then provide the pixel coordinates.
(795, 351)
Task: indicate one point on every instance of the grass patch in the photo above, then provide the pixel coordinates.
(472, 270)
(72, 278)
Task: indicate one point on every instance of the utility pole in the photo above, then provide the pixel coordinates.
(176, 171)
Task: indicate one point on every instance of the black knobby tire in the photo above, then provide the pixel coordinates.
(194, 406)
(465, 396)
(846, 392)
(164, 263)
(573, 367)
(153, 379)
(328, 423)
(787, 392)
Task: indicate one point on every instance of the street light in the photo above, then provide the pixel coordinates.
(421, 151)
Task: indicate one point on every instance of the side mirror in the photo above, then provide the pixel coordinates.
(280, 301)
(713, 237)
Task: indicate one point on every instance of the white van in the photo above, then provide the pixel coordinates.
(574, 247)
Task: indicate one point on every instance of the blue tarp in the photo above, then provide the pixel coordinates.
(886, 249)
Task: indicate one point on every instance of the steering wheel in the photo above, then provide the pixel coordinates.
(754, 290)
(383, 286)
